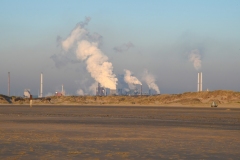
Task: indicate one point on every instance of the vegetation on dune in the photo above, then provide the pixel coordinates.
(187, 98)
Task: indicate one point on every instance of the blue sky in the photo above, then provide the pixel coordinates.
(163, 34)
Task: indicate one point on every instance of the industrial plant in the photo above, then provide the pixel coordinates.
(102, 91)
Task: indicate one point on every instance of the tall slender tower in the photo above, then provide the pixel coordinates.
(199, 86)
(8, 83)
(41, 86)
(63, 91)
(198, 82)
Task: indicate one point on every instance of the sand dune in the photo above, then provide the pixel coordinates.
(205, 98)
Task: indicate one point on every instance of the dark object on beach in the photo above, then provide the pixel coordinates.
(214, 104)
(48, 99)
(18, 99)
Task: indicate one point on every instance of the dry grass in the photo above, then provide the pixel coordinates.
(187, 98)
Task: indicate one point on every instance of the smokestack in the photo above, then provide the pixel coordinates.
(141, 90)
(41, 86)
(62, 90)
(8, 83)
(199, 87)
(201, 81)
(198, 83)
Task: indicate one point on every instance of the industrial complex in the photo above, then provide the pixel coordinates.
(100, 90)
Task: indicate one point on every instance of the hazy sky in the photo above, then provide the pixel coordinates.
(158, 35)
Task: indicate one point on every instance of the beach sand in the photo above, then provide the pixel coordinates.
(118, 132)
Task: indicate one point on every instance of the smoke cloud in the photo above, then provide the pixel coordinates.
(80, 92)
(124, 47)
(195, 58)
(77, 33)
(150, 80)
(86, 48)
(93, 87)
(97, 64)
(130, 79)
(66, 57)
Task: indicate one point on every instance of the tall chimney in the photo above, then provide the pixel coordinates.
(62, 90)
(198, 83)
(141, 90)
(199, 87)
(41, 86)
(8, 83)
(201, 81)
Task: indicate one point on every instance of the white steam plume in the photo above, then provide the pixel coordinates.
(150, 80)
(93, 87)
(195, 58)
(130, 79)
(75, 35)
(97, 64)
(87, 50)
(80, 92)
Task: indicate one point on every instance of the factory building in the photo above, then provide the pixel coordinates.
(120, 91)
(113, 92)
(100, 91)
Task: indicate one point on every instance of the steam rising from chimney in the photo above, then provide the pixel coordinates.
(195, 58)
(87, 50)
(77, 33)
(97, 64)
(130, 79)
(150, 80)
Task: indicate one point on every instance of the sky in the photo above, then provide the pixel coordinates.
(165, 43)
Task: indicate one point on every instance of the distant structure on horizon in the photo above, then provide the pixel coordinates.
(199, 86)
(100, 91)
(150, 92)
(113, 92)
(63, 92)
(129, 92)
(41, 86)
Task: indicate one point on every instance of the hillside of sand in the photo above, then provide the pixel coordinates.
(221, 97)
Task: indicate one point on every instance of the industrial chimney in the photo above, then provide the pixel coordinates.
(63, 92)
(41, 86)
(199, 86)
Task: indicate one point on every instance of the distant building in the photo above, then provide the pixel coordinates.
(113, 92)
(58, 94)
(120, 91)
(100, 91)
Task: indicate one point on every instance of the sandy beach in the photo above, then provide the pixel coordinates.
(118, 132)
